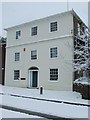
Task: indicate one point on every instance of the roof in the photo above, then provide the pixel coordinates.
(63, 13)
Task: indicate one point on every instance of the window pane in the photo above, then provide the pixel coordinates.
(33, 54)
(17, 56)
(18, 34)
(53, 52)
(16, 74)
(53, 26)
(34, 31)
(54, 74)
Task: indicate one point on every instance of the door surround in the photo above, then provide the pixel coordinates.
(30, 73)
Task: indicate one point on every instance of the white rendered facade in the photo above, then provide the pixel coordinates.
(62, 39)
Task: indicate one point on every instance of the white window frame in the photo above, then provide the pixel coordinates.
(32, 58)
(51, 27)
(17, 56)
(17, 79)
(53, 53)
(33, 32)
(18, 36)
(52, 80)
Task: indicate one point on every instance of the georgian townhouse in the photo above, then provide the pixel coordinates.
(40, 52)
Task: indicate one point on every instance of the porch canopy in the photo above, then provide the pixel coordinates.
(33, 68)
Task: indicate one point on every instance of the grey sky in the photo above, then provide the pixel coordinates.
(14, 13)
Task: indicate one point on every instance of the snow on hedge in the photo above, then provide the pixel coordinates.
(83, 80)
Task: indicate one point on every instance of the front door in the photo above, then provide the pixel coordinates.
(34, 77)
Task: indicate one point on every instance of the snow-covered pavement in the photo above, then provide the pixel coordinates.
(47, 94)
(13, 114)
(45, 107)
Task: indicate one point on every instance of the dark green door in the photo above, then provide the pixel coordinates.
(34, 78)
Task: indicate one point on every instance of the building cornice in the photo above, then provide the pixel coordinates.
(44, 40)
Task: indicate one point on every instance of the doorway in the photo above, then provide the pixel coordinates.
(33, 77)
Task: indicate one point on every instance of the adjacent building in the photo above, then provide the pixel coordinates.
(41, 52)
(2, 59)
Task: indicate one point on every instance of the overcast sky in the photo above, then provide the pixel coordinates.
(14, 13)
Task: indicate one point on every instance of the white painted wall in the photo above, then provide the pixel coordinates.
(65, 25)
(42, 43)
(44, 63)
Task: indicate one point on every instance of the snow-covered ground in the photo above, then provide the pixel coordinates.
(45, 107)
(13, 114)
(66, 96)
